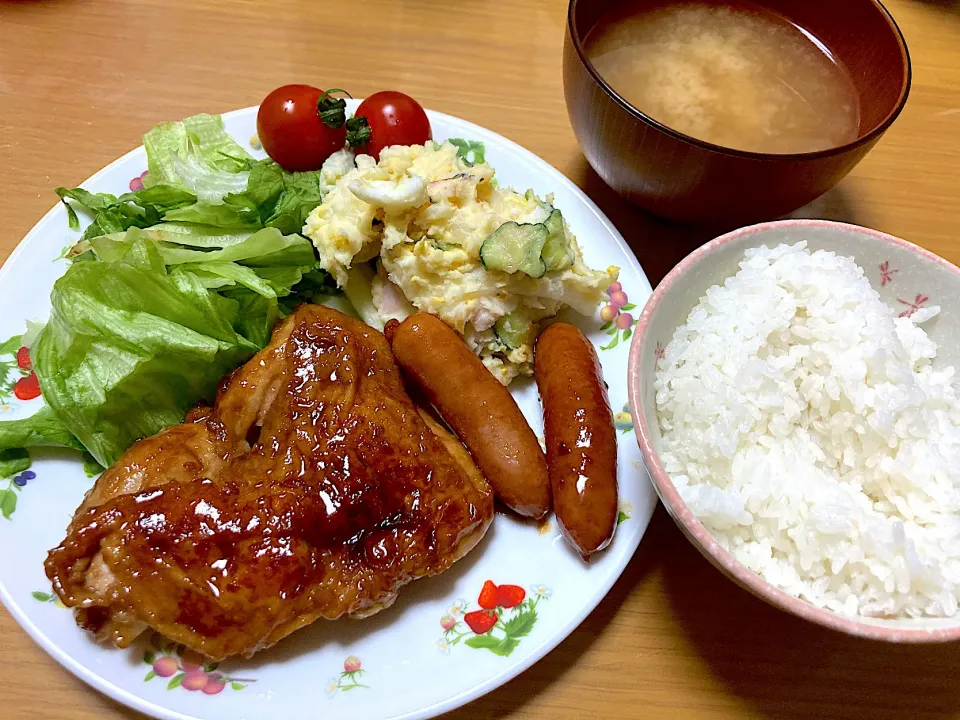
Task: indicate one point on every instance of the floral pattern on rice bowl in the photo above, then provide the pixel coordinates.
(886, 273)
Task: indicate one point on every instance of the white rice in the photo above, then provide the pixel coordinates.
(808, 429)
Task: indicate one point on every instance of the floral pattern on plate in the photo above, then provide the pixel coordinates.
(623, 421)
(17, 378)
(187, 669)
(137, 183)
(47, 597)
(617, 320)
(347, 680)
(507, 613)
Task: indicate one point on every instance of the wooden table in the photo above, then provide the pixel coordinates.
(81, 81)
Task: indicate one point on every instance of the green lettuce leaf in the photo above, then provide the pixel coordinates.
(42, 429)
(179, 283)
(200, 142)
(147, 329)
(256, 314)
(197, 236)
(201, 184)
(219, 215)
(263, 248)
(13, 461)
(129, 349)
(281, 199)
(113, 214)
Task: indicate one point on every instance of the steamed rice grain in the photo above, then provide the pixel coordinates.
(807, 427)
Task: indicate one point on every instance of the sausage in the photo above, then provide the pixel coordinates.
(581, 439)
(480, 410)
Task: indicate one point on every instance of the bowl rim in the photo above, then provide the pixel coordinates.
(692, 528)
(874, 134)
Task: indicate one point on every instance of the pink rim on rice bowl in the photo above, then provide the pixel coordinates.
(907, 278)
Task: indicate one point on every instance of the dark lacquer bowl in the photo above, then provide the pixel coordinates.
(681, 178)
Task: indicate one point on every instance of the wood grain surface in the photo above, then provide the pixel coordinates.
(80, 81)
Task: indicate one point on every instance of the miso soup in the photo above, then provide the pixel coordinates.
(732, 74)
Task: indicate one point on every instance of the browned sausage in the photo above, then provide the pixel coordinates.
(581, 439)
(480, 410)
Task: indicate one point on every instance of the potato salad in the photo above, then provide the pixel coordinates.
(427, 229)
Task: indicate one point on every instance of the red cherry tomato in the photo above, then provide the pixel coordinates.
(27, 388)
(395, 119)
(291, 132)
(23, 357)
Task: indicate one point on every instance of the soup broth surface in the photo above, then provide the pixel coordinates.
(732, 74)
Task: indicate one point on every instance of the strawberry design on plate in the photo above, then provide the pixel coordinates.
(507, 613)
(16, 373)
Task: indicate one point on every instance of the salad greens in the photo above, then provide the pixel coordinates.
(200, 178)
(196, 154)
(142, 329)
(273, 198)
(132, 344)
(170, 288)
(115, 214)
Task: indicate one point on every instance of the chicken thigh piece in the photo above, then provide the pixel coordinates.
(314, 488)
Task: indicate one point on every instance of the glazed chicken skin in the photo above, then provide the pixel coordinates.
(314, 488)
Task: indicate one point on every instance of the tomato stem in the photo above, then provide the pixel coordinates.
(358, 132)
(333, 111)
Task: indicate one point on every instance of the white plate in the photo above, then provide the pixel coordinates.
(401, 663)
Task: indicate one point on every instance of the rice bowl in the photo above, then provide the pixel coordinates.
(863, 555)
(805, 426)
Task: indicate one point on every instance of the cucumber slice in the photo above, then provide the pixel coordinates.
(513, 332)
(513, 247)
(443, 246)
(557, 250)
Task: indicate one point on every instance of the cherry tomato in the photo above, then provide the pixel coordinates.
(395, 119)
(291, 131)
